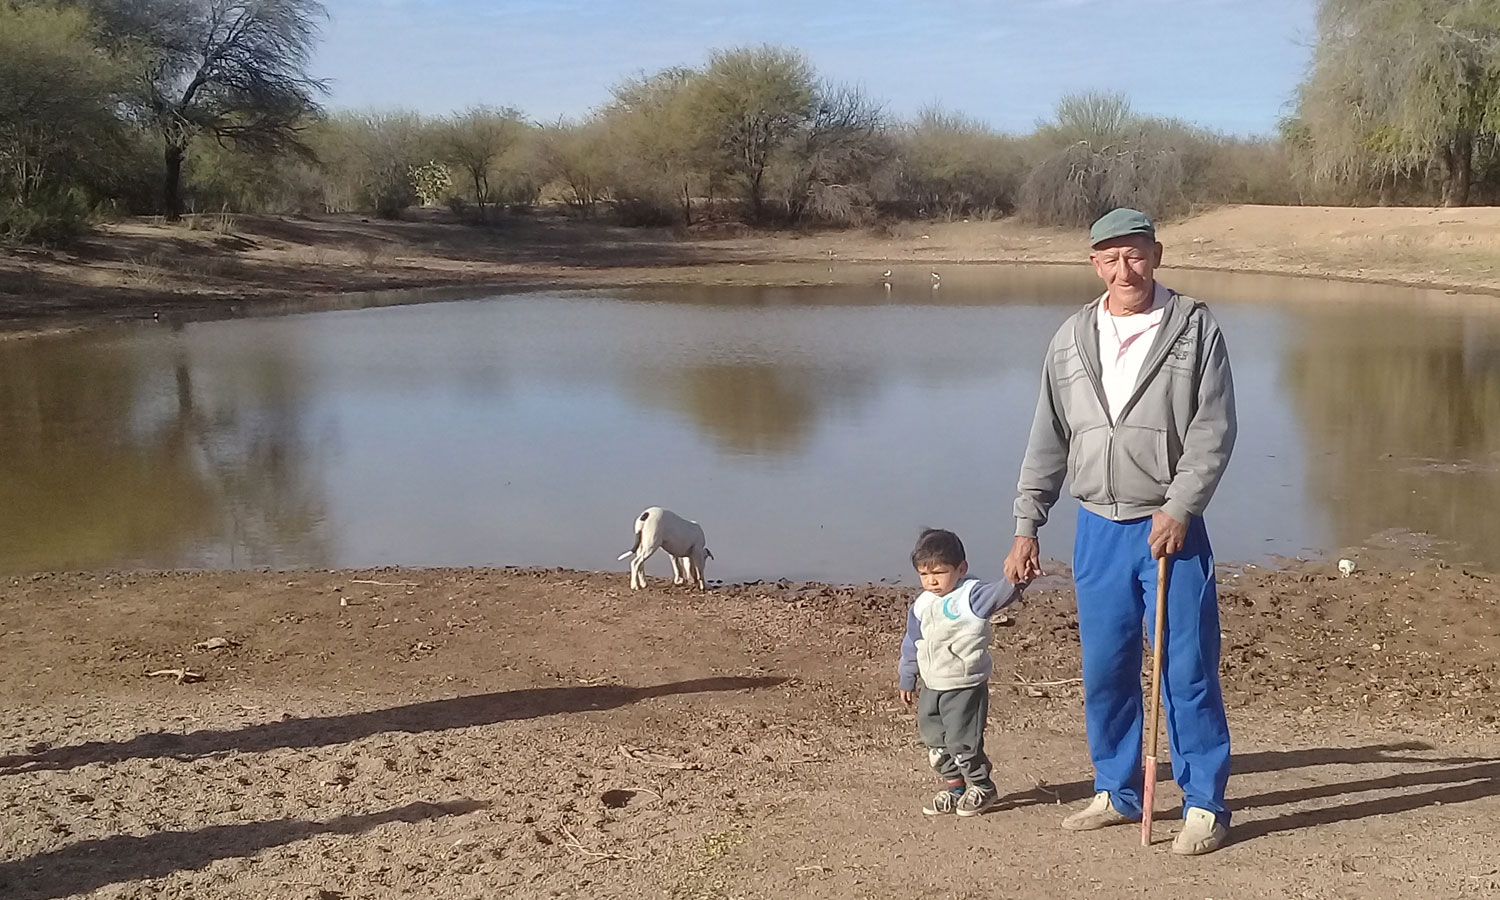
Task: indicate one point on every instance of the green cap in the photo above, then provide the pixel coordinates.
(1120, 223)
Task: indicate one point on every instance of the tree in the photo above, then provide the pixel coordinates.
(1403, 88)
(475, 140)
(368, 159)
(234, 70)
(57, 120)
(661, 147)
(752, 101)
(1103, 155)
(953, 165)
(835, 157)
(575, 154)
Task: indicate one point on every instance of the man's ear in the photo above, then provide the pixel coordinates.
(1156, 254)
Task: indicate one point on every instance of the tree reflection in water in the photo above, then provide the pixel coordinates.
(119, 452)
(754, 409)
(1401, 412)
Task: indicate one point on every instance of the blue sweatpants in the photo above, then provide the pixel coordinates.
(1115, 578)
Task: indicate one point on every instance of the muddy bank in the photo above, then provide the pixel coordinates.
(244, 265)
(548, 733)
(1416, 642)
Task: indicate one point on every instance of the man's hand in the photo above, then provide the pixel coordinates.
(1167, 535)
(908, 698)
(1024, 562)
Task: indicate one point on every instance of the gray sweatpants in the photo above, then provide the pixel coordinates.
(951, 724)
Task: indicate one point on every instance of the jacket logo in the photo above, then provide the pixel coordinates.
(948, 613)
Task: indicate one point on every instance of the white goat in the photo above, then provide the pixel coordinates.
(658, 528)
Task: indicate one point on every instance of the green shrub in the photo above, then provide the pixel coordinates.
(49, 217)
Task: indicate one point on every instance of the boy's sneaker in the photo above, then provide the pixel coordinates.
(977, 800)
(942, 803)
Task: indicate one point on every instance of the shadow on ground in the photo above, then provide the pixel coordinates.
(1456, 780)
(413, 718)
(89, 865)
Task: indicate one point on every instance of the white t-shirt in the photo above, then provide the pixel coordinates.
(1124, 342)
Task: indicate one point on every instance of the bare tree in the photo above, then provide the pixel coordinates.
(835, 157)
(574, 154)
(753, 100)
(476, 139)
(368, 159)
(1105, 156)
(235, 70)
(954, 165)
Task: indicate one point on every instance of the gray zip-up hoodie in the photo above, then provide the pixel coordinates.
(1171, 442)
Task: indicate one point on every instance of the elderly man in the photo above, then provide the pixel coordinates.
(1137, 408)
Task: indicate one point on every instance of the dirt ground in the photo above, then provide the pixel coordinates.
(216, 266)
(547, 733)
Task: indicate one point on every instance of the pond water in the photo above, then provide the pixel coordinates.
(812, 430)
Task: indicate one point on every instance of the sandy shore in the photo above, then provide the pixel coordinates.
(219, 266)
(546, 733)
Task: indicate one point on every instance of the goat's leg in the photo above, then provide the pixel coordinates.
(695, 562)
(638, 565)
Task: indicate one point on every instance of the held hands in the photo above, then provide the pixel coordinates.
(1167, 535)
(1024, 562)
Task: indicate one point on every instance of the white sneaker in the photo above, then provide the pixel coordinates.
(1201, 833)
(1099, 814)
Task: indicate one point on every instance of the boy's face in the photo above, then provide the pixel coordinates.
(941, 578)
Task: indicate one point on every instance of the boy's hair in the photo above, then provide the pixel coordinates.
(935, 546)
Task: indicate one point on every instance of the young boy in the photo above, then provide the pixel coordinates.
(948, 644)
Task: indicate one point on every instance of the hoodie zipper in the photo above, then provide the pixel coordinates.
(1098, 382)
(1109, 447)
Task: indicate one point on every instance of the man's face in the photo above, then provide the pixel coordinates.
(1128, 267)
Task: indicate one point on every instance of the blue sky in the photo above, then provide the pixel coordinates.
(1229, 64)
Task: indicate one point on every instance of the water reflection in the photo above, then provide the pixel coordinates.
(753, 409)
(112, 453)
(811, 429)
(1401, 416)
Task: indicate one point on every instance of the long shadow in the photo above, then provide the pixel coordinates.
(1476, 781)
(1249, 764)
(89, 865)
(414, 718)
(1468, 778)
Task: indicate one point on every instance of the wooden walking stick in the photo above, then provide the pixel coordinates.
(1148, 798)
